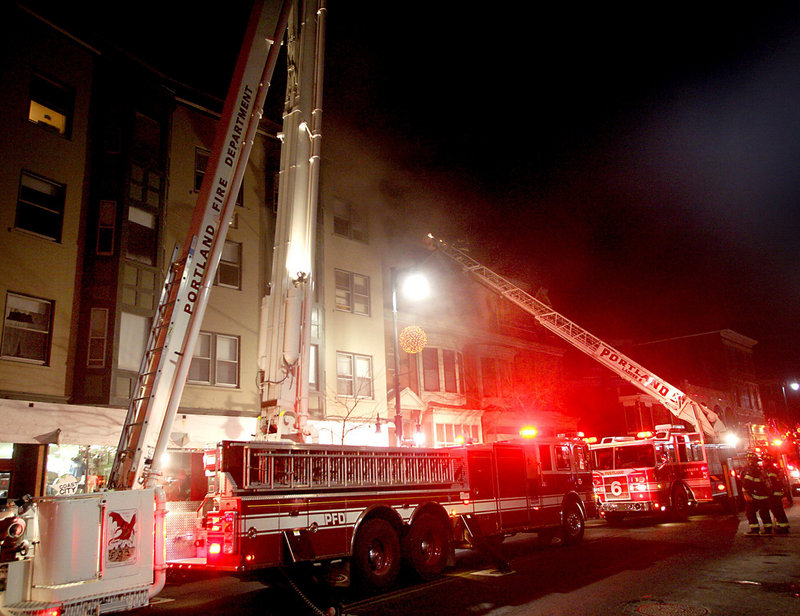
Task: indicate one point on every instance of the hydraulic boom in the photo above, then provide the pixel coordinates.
(672, 398)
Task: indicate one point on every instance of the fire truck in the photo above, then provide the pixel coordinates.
(684, 478)
(104, 552)
(662, 472)
(362, 511)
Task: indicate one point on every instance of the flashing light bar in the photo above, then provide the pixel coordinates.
(528, 432)
(644, 434)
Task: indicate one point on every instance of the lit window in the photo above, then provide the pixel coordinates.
(349, 222)
(352, 292)
(27, 329)
(40, 207)
(215, 360)
(353, 375)
(229, 270)
(51, 105)
(134, 329)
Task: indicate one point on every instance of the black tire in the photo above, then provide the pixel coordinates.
(680, 503)
(573, 524)
(427, 546)
(376, 555)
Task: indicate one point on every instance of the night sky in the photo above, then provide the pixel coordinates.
(639, 161)
(642, 164)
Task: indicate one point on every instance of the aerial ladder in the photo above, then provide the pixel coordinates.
(104, 552)
(178, 317)
(673, 399)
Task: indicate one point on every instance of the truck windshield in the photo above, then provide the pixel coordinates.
(603, 459)
(634, 456)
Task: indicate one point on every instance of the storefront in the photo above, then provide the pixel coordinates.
(60, 449)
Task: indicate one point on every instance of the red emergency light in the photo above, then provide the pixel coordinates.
(528, 432)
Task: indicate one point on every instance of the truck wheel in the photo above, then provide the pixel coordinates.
(376, 555)
(573, 524)
(680, 502)
(427, 546)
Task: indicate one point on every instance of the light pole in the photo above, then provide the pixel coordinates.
(794, 386)
(417, 284)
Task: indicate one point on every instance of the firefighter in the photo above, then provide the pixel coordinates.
(756, 490)
(774, 475)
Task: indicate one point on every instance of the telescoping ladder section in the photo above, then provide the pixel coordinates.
(151, 369)
(673, 399)
(273, 467)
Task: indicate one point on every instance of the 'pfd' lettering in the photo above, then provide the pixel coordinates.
(335, 519)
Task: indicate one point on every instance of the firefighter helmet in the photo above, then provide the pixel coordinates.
(768, 458)
(752, 457)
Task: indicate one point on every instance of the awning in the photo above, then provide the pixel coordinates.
(22, 421)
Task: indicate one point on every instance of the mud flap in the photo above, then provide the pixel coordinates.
(299, 545)
(484, 542)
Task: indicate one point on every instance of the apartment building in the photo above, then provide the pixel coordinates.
(103, 163)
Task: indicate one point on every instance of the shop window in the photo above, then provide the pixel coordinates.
(40, 206)
(77, 469)
(215, 360)
(51, 105)
(27, 329)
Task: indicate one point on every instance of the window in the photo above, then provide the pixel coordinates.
(349, 222)
(51, 105)
(201, 157)
(562, 458)
(354, 375)
(134, 330)
(313, 367)
(98, 332)
(215, 360)
(430, 369)
(352, 292)
(449, 364)
(229, 271)
(106, 226)
(40, 207)
(27, 328)
(145, 190)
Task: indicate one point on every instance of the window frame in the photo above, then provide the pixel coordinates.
(48, 331)
(353, 377)
(204, 155)
(25, 202)
(214, 360)
(234, 265)
(349, 293)
(64, 108)
(349, 221)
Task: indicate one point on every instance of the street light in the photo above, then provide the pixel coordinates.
(414, 285)
(794, 386)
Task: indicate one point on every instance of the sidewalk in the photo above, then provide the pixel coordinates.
(760, 576)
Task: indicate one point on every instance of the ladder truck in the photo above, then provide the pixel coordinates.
(689, 483)
(105, 552)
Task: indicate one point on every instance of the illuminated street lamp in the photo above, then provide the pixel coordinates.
(794, 386)
(415, 286)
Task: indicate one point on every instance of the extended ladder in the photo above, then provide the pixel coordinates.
(672, 398)
(176, 325)
(151, 370)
